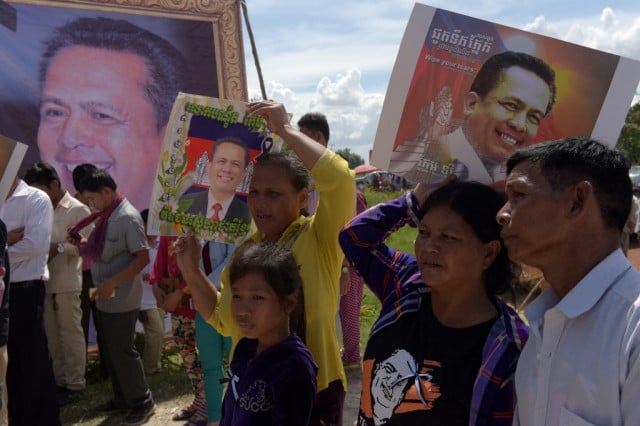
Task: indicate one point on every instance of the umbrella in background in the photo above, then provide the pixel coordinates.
(363, 169)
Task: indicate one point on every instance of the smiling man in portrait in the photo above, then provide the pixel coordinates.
(108, 87)
(508, 100)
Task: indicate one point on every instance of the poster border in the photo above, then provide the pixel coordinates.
(224, 16)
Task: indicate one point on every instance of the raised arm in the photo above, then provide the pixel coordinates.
(383, 268)
(203, 292)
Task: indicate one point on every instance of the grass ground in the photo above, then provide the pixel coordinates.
(171, 387)
(169, 384)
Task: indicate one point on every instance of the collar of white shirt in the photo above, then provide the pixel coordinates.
(585, 294)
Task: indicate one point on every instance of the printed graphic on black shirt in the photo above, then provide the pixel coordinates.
(398, 384)
(419, 371)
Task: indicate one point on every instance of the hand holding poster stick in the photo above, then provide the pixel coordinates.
(277, 118)
(273, 113)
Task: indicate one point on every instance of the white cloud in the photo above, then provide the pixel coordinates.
(612, 32)
(346, 91)
(541, 26)
(352, 113)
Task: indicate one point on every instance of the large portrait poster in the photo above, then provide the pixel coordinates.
(11, 155)
(205, 168)
(94, 81)
(466, 93)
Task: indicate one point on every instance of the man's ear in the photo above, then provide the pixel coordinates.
(471, 99)
(581, 195)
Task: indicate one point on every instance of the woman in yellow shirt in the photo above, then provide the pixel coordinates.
(277, 194)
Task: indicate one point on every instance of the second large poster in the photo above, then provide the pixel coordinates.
(465, 93)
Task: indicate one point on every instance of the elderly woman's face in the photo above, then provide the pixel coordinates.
(449, 253)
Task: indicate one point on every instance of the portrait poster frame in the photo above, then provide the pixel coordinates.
(224, 16)
(207, 33)
(183, 195)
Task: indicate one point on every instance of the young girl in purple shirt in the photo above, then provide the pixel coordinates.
(272, 378)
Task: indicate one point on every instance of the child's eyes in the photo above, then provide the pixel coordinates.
(253, 297)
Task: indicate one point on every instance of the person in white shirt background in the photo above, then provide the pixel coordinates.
(62, 310)
(28, 214)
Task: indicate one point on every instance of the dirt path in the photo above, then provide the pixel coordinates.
(352, 401)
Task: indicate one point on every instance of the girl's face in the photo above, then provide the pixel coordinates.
(274, 201)
(258, 310)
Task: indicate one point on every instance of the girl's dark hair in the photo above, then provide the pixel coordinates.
(275, 263)
(478, 205)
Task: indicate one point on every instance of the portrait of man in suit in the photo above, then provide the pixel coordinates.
(226, 169)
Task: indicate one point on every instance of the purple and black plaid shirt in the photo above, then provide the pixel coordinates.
(395, 279)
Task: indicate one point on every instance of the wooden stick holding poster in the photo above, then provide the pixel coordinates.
(205, 169)
(466, 93)
(11, 156)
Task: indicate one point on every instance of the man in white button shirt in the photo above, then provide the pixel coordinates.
(567, 203)
(31, 389)
(62, 311)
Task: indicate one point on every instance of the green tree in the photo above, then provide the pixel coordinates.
(629, 140)
(353, 159)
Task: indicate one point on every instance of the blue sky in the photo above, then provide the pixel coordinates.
(336, 57)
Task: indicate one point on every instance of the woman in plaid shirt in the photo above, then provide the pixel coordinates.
(445, 347)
